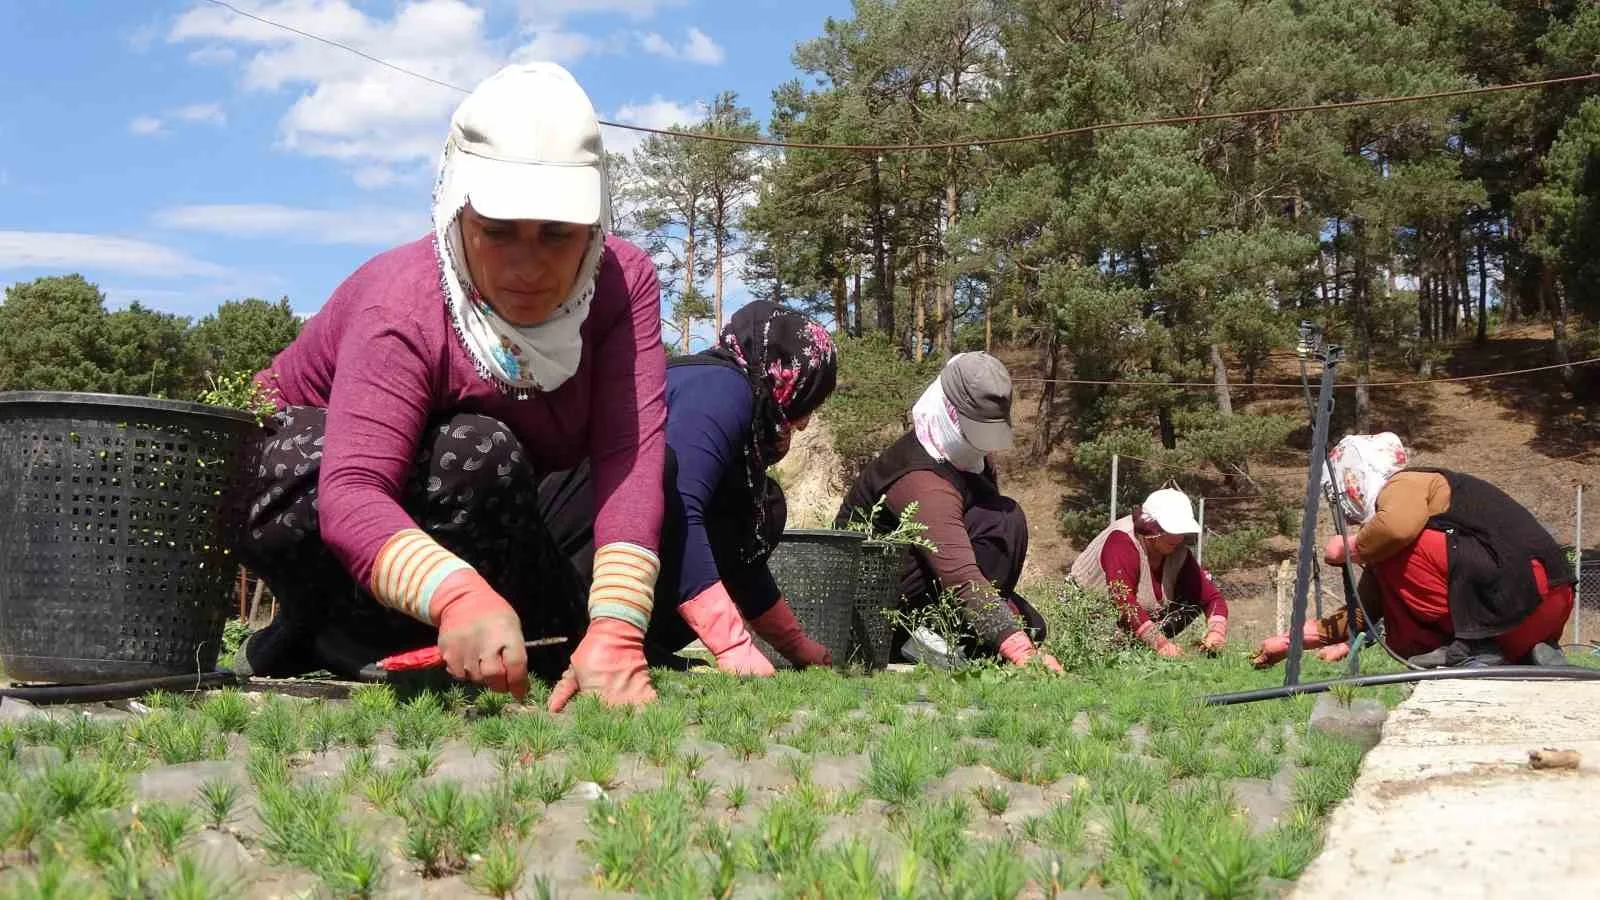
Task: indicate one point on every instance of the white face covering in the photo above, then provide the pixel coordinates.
(518, 359)
(939, 431)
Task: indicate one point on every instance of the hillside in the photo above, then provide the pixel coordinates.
(1519, 432)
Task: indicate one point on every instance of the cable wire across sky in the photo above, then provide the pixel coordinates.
(976, 141)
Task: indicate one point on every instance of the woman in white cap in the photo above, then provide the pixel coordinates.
(942, 465)
(395, 500)
(1143, 561)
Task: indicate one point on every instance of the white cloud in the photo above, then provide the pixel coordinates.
(698, 47)
(213, 55)
(547, 10)
(556, 45)
(210, 113)
(146, 126)
(322, 226)
(654, 113)
(350, 108)
(68, 250)
(655, 44)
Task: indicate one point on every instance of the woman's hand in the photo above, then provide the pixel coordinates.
(778, 627)
(480, 635)
(609, 661)
(1020, 650)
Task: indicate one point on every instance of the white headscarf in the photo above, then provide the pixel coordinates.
(939, 431)
(517, 359)
(1360, 465)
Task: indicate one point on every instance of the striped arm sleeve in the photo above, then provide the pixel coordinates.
(408, 570)
(624, 583)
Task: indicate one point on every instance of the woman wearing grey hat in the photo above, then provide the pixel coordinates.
(942, 465)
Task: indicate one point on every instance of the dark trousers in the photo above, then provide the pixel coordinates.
(471, 489)
(998, 530)
(566, 504)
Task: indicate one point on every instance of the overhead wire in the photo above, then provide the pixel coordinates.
(975, 141)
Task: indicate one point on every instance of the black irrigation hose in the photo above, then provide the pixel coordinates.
(117, 690)
(1514, 673)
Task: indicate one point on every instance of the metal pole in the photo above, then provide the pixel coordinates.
(1113, 488)
(1200, 541)
(1308, 522)
(1577, 589)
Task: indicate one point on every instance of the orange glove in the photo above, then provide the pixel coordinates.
(1155, 640)
(480, 636)
(609, 661)
(1337, 548)
(1019, 650)
(1216, 634)
(716, 620)
(778, 627)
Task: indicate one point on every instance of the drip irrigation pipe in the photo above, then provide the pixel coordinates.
(44, 695)
(1512, 673)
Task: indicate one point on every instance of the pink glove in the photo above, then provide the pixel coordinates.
(1216, 634)
(1334, 652)
(1019, 650)
(1152, 636)
(1337, 548)
(782, 630)
(480, 636)
(609, 661)
(716, 620)
(1274, 649)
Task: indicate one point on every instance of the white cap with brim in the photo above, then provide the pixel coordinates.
(1172, 510)
(528, 146)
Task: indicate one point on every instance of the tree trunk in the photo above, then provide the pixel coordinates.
(988, 319)
(919, 313)
(1558, 323)
(1361, 320)
(1220, 377)
(856, 293)
(719, 242)
(880, 267)
(947, 280)
(841, 301)
(1483, 285)
(1338, 260)
(1424, 300)
(1047, 397)
(689, 289)
(1169, 431)
(1463, 280)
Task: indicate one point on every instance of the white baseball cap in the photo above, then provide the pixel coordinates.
(527, 146)
(1172, 510)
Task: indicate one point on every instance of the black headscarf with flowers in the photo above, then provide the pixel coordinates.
(792, 367)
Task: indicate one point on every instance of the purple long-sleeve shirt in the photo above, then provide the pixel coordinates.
(382, 358)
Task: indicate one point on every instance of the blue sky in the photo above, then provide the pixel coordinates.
(179, 155)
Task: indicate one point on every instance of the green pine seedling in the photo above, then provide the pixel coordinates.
(191, 880)
(276, 727)
(500, 870)
(552, 784)
(227, 710)
(738, 795)
(218, 797)
(166, 825)
(994, 800)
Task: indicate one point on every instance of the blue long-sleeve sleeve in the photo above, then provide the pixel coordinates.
(709, 410)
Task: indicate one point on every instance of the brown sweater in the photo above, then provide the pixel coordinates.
(1404, 506)
(939, 506)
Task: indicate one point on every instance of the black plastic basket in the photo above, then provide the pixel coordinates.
(877, 594)
(115, 515)
(817, 570)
